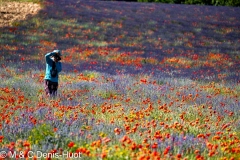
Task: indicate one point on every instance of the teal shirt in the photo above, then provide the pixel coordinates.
(49, 64)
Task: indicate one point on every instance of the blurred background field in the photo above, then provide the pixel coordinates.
(139, 80)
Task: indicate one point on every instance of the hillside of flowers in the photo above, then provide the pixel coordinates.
(140, 81)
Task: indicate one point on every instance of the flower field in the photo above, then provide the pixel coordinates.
(142, 81)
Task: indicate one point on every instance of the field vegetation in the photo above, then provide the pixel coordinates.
(198, 2)
(139, 81)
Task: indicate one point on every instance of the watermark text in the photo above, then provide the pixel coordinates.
(38, 155)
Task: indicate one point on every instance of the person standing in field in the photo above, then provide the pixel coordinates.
(53, 67)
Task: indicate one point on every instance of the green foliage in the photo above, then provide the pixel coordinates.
(40, 134)
(201, 2)
(106, 94)
(194, 2)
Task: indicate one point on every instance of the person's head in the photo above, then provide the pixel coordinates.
(57, 56)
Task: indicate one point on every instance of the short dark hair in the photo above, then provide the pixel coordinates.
(58, 57)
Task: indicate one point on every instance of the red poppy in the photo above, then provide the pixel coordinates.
(71, 144)
(166, 150)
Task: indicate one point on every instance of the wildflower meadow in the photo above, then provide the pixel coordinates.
(140, 81)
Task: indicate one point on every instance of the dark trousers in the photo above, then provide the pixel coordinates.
(51, 88)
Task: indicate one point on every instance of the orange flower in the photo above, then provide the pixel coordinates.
(200, 136)
(155, 155)
(166, 150)
(211, 153)
(235, 150)
(199, 157)
(81, 150)
(157, 135)
(155, 145)
(103, 155)
(225, 126)
(117, 131)
(71, 144)
(26, 144)
(124, 139)
(127, 127)
(178, 156)
(216, 137)
(134, 129)
(209, 145)
(55, 129)
(35, 157)
(196, 151)
(143, 81)
(106, 140)
(133, 146)
(127, 100)
(1, 138)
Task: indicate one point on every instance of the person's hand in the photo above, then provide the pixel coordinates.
(57, 54)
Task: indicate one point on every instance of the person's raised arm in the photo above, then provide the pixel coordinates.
(47, 57)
